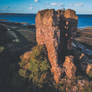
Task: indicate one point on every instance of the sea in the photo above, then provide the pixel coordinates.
(84, 20)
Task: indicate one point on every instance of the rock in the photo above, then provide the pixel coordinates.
(82, 83)
(50, 31)
(57, 73)
(74, 89)
(70, 68)
(89, 70)
(83, 58)
(85, 65)
(71, 16)
(83, 62)
(26, 56)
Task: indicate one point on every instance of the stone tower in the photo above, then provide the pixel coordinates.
(50, 31)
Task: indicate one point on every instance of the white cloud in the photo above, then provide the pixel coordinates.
(53, 4)
(57, 4)
(36, 1)
(77, 5)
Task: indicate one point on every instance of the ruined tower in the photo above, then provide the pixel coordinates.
(50, 31)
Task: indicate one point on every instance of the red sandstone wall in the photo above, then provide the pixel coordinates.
(50, 31)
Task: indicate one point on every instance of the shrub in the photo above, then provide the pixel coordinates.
(37, 67)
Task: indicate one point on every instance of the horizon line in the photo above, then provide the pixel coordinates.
(36, 13)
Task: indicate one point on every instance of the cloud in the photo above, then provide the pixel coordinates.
(77, 5)
(30, 8)
(57, 4)
(36, 1)
(53, 4)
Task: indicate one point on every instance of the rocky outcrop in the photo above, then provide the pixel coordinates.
(70, 68)
(71, 16)
(48, 34)
(54, 30)
(89, 68)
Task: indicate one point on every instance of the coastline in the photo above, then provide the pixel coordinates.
(84, 35)
(5, 21)
(84, 20)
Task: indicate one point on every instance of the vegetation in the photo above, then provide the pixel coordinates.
(37, 67)
(33, 75)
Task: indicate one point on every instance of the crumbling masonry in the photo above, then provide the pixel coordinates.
(55, 30)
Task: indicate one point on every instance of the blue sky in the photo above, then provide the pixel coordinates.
(33, 6)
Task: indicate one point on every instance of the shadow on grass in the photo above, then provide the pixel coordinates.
(9, 59)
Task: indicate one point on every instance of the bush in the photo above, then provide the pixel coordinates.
(37, 67)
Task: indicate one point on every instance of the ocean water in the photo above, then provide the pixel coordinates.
(20, 18)
(83, 20)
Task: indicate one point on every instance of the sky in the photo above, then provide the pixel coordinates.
(33, 6)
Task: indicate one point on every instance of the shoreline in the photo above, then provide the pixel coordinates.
(83, 34)
(83, 38)
(28, 24)
(22, 23)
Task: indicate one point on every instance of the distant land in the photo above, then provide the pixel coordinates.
(16, 13)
